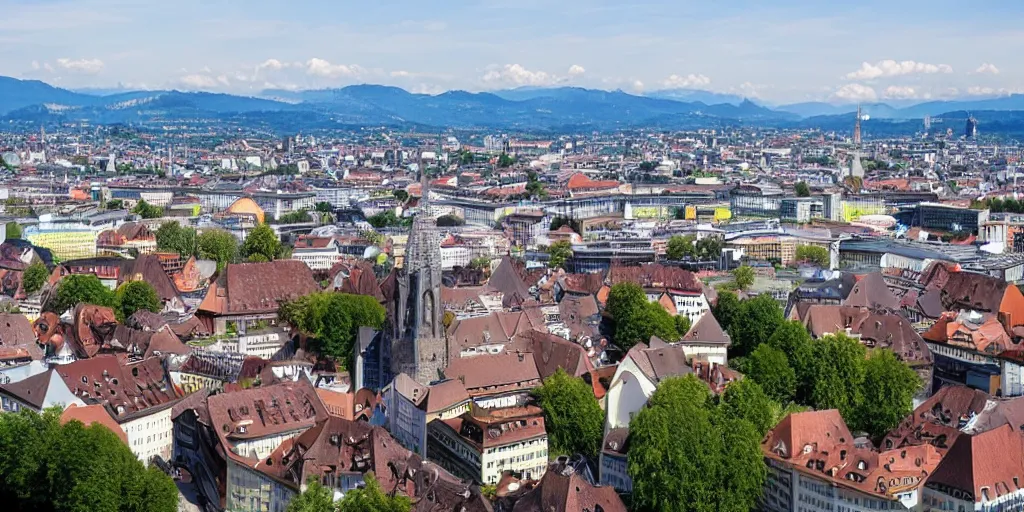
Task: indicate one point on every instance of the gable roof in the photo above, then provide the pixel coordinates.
(706, 330)
(258, 287)
(871, 291)
(937, 421)
(90, 415)
(987, 466)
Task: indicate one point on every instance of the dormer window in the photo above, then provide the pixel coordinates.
(861, 465)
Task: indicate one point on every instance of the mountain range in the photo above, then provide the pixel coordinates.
(528, 108)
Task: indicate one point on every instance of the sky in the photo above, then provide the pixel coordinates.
(781, 51)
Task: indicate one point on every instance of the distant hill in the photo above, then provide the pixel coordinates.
(525, 108)
(696, 95)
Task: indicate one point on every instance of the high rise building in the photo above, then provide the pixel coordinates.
(971, 129)
(927, 123)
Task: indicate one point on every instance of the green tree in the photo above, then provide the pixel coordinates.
(572, 416)
(333, 320)
(888, 395)
(296, 217)
(481, 263)
(813, 254)
(147, 211)
(559, 252)
(681, 247)
(534, 187)
(77, 289)
(387, 219)
(133, 296)
(323, 207)
(115, 204)
(48, 466)
(372, 498)
(709, 248)
(262, 242)
(504, 160)
(636, 319)
(744, 277)
(838, 374)
(316, 498)
(744, 399)
(757, 320)
(769, 367)
(802, 190)
(685, 455)
(174, 237)
(13, 230)
(218, 245)
(35, 277)
(792, 338)
(402, 196)
(683, 324)
(726, 309)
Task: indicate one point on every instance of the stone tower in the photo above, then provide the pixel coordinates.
(420, 350)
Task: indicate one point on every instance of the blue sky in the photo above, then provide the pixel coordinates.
(779, 51)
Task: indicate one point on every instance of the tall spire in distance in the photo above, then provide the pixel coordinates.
(856, 129)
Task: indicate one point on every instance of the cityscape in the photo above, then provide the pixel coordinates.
(576, 284)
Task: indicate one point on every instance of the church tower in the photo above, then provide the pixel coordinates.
(420, 348)
(856, 129)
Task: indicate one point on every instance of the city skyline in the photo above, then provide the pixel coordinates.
(790, 52)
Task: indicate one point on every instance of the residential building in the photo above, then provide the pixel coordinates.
(816, 465)
(138, 396)
(319, 254)
(250, 293)
(482, 444)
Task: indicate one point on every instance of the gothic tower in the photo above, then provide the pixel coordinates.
(420, 350)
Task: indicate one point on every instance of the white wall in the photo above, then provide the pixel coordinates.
(149, 435)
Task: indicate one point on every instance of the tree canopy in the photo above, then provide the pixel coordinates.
(744, 277)
(218, 245)
(769, 367)
(726, 309)
(48, 466)
(261, 244)
(745, 399)
(888, 396)
(174, 237)
(558, 253)
(688, 455)
(636, 319)
(756, 322)
(13, 230)
(147, 211)
(449, 221)
(387, 219)
(35, 277)
(709, 248)
(323, 207)
(370, 498)
(572, 416)
(333, 320)
(680, 247)
(802, 190)
(134, 296)
(813, 254)
(838, 374)
(77, 289)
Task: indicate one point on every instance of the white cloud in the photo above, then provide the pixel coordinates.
(271, 65)
(992, 91)
(321, 67)
(517, 75)
(987, 68)
(638, 86)
(887, 68)
(197, 81)
(87, 66)
(896, 92)
(35, 65)
(576, 70)
(686, 81)
(401, 74)
(855, 92)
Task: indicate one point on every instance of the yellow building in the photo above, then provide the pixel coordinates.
(66, 242)
(245, 206)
